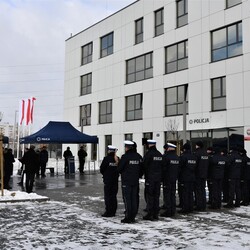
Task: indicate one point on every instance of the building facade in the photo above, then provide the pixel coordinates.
(171, 70)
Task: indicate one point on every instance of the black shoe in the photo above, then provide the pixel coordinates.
(155, 217)
(132, 221)
(213, 207)
(43, 176)
(108, 215)
(228, 206)
(244, 203)
(125, 220)
(236, 205)
(200, 209)
(148, 217)
(165, 214)
(182, 211)
(145, 210)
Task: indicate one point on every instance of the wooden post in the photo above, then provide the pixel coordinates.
(1, 163)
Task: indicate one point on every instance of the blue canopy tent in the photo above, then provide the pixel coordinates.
(59, 132)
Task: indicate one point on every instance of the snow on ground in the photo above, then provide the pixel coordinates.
(59, 225)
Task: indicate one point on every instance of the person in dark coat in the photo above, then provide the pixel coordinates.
(82, 154)
(235, 163)
(218, 164)
(245, 178)
(171, 164)
(31, 161)
(210, 152)
(109, 171)
(67, 154)
(201, 177)
(8, 167)
(152, 169)
(188, 165)
(44, 157)
(22, 168)
(130, 168)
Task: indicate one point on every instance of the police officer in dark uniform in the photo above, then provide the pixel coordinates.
(109, 170)
(188, 164)
(152, 169)
(201, 177)
(210, 152)
(130, 168)
(171, 163)
(218, 163)
(234, 174)
(245, 178)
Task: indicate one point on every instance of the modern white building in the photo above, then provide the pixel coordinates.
(159, 67)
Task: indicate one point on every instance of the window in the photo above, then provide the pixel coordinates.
(176, 57)
(146, 136)
(139, 31)
(231, 3)
(108, 141)
(134, 107)
(86, 84)
(174, 98)
(218, 94)
(105, 112)
(159, 22)
(128, 137)
(140, 68)
(227, 42)
(107, 45)
(87, 51)
(85, 115)
(182, 12)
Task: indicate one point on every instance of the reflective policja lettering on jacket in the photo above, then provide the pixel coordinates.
(238, 161)
(174, 162)
(204, 157)
(192, 161)
(157, 158)
(133, 162)
(221, 162)
(113, 164)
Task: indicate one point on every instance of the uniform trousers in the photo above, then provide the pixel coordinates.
(110, 197)
(234, 191)
(245, 192)
(187, 196)
(200, 193)
(169, 191)
(216, 186)
(29, 181)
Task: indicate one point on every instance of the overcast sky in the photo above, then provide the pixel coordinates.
(32, 44)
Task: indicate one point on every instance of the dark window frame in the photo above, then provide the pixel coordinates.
(221, 96)
(161, 24)
(109, 48)
(88, 57)
(85, 120)
(226, 41)
(179, 17)
(228, 6)
(105, 117)
(128, 137)
(178, 60)
(135, 109)
(144, 70)
(108, 141)
(178, 102)
(139, 35)
(86, 89)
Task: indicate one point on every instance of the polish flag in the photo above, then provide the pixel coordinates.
(26, 109)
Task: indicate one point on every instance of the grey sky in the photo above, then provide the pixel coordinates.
(33, 34)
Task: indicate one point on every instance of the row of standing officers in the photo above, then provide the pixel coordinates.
(223, 173)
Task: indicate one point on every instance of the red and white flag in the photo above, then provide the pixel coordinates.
(26, 109)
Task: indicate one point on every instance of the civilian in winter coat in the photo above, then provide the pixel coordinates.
(8, 167)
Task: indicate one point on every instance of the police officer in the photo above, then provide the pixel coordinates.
(218, 163)
(188, 164)
(130, 168)
(234, 174)
(171, 163)
(210, 152)
(245, 178)
(109, 170)
(201, 176)
(152, 169)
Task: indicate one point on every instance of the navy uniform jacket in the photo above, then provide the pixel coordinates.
(245, 171)
(234, 165)
(31, 161)
(188, 164)
(202, 163)
(152, 165)
(130, 167)
(218, 164)
(171, 166)
(109, 169)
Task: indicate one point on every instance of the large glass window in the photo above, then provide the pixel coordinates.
(107, 44)
(174, 100)
(139, 31)
(105, 112)
(218, 94)
(134, 107)
(227, 42)
(108, 141)
(140, 68)
(231, 3)
(85, 115)
(128, 137)
(176, 57)
(87, 51)
(86, 84)
(182, 12)
(159, 22)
